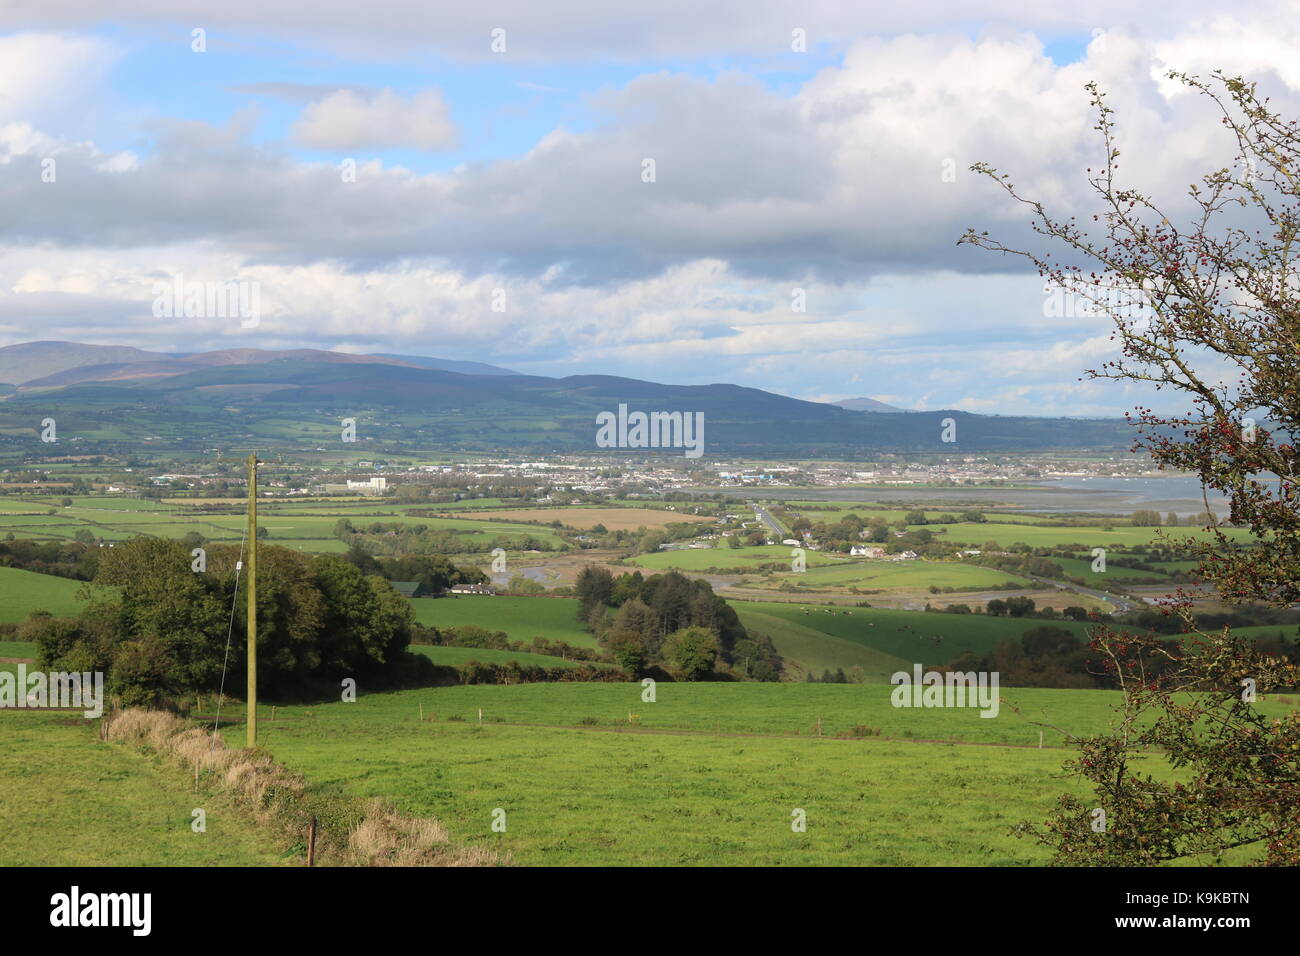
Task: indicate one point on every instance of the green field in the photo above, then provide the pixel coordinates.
(694, 781)
(455, 656)
(66, 799)
(592, 774)
(880, 640)
(303, 525)
(1082, 568)
(22, 592)
(521, 618)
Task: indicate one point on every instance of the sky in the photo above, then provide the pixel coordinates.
(473, 180)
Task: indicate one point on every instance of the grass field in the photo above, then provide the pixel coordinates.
(455, 656)
(692, 784)
(880, 640)
(707, 774)
(22, 592)
(1082, 568)
(522, 618)
(66, 799)
(18, 649)
(303, 525)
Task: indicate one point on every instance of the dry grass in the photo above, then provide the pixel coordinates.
(370, 833)
(388, 838)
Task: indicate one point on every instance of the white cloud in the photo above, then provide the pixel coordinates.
(43, 75)
(837, 188)
(604, 31)
(348, 119)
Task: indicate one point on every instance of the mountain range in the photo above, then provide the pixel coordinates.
(116, 398)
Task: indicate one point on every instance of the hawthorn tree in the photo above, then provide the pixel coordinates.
(1204, 302)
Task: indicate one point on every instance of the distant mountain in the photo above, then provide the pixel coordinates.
(867, 405)
(43, 365)
(447, 365)
(287, 400)
(33, 360)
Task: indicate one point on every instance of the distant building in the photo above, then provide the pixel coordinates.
(471, 589)
(866, 551)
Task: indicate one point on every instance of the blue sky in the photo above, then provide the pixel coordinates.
(517, 179)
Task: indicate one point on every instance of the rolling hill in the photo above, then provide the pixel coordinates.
(296, 399)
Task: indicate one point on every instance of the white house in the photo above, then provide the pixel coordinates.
(866, 551)
(471, 589)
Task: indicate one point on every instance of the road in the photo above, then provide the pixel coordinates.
(771, 523)
(1120, 604)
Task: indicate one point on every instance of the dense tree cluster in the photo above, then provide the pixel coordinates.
(67, 559)
(160, 629)
(398, 539)
(671, 621)
(433, 573)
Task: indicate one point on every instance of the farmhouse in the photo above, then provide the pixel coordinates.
(471, 589)
(866, 551)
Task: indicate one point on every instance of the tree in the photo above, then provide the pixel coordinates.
(594, 587)
(692, 651)
(628, 649)
(1217, 322)
(160, 628)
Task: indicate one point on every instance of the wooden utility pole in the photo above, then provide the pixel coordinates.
(252, 600)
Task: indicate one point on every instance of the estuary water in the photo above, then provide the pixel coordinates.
(1180, 494)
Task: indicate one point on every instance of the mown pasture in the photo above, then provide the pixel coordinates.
(708, 774)
(521, 618)
(881, 640)
(22, 592)
(67, 799)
